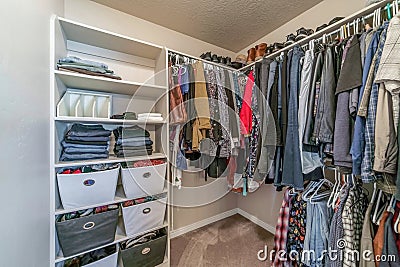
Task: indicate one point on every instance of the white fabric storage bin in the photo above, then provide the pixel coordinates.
(143, 181)
(109, 261)
(142, 217)
(85, 189)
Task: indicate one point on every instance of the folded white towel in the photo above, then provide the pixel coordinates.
(149, 115)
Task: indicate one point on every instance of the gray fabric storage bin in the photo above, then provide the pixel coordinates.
(82, 234)
(149, 254)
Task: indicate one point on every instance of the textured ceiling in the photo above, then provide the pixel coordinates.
(230, 24)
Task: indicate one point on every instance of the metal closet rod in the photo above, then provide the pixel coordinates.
(365, 13)
(200, 59)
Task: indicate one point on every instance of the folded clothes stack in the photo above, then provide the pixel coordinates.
(150, 117)
(132, 141)
(82, 142)
(143, 163)
(88, 67)
(142, 200)
(88, 169)
(84, 213)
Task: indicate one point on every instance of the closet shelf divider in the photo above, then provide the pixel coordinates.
(101, 84)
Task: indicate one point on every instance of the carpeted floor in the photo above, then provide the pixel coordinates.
(234, 241)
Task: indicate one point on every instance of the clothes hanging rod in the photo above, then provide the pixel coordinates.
(365, 13)
(200, 59)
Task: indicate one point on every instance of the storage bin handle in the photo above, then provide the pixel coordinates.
(89, 182)
(88, 225)
(146, 210)
(146, 175)
(145, 251)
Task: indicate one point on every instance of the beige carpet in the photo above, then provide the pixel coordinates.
(234, 241)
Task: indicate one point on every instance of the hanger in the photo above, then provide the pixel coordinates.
(351, 177)
(374, 20)
(336, 186)
(292, 192)
(356, 25)
(337, 195)
(281, 56)
(375, 213)
(323, 194)
(373, 194)
(397, 222)
(388, 13)
(395, 6)
(375, 216)
(378, 18)
(309, 189)
(390, 205)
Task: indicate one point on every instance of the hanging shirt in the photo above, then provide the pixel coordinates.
(281, 231)
(246, 112)
(358, 144)
(367, 173)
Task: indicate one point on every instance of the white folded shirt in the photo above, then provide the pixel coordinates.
(153, 115)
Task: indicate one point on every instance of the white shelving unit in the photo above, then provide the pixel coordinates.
(143, 88)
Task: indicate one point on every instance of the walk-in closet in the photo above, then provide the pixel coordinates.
(209, 133)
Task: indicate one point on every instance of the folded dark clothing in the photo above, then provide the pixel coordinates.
(73, 150)
(125, 116)
(83, 156)
(88, 138)
(84, 130)
(129, 132)
(134, 144)
(96, 143)
(84, 67)
(82, 62)
(132, 148)
(133, 154)
(133, 139)
(111, 76)
(85, 145)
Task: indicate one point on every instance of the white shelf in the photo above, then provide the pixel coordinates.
(79, 32)
(118, 239)
(107, 121)
(134, 60)
(111, 159)
(119, 198)
(103, 84)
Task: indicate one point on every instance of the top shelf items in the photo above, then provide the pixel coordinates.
(141, 65)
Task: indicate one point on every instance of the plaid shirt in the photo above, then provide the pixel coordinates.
(281, 231)
(353, 219)
(367, 173)
(336, 230)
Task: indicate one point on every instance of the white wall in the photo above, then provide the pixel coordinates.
(110, 19)
(24, 135)
(312, 18)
